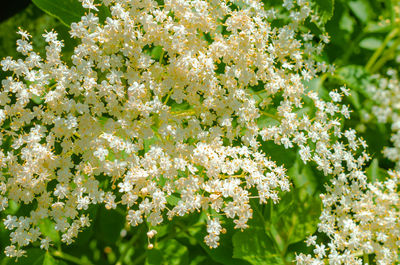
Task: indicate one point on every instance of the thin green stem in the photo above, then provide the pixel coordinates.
(386, 56)
(68, 257)
(366, 259)
(271, 115)
(144, 254)
(379, 51)
(162, 56)
(168, 96)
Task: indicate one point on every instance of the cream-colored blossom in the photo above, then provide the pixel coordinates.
(186, 122)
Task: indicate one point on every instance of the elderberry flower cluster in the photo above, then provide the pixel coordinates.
(362, 219)
(386, 109)
(362, 224)
(167, 134)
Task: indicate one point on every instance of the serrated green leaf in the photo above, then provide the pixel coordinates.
(254, 246)
(324, 10)
(296, 216)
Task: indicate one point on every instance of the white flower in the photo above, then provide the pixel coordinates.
(134, 217)
(89, 4)
(311, 240)
(101, 153)
(11, 222)
(320, 250)
(45, 243)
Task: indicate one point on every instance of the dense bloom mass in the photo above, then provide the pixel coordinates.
(359, 225)
(163, 111)
(362, 219)
(386, 109)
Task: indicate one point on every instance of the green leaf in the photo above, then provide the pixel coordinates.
(355, 100)
(175, 107)
(296, 216)
(303, 176)
(172, 253)
(154, 257)
(279, 153)
(347, 22)
(224, 252)
(47, 259)
(202, 260)
(173, 200)
(377, 27)
(373, 170)
(68, 11)
(370, 43)
(255, 246)
(265, 121)
(316, 85)
(149, 142)
(361, 10)
(156, 53)
(38, 100)
(109, 225)
(356, 78)
(375, 173)
(325, 10)
(169, 252)
(47, 229)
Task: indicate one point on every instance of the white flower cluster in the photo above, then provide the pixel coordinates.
(127, 128)
(386, 94)
(362, 219)
(359, 224)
